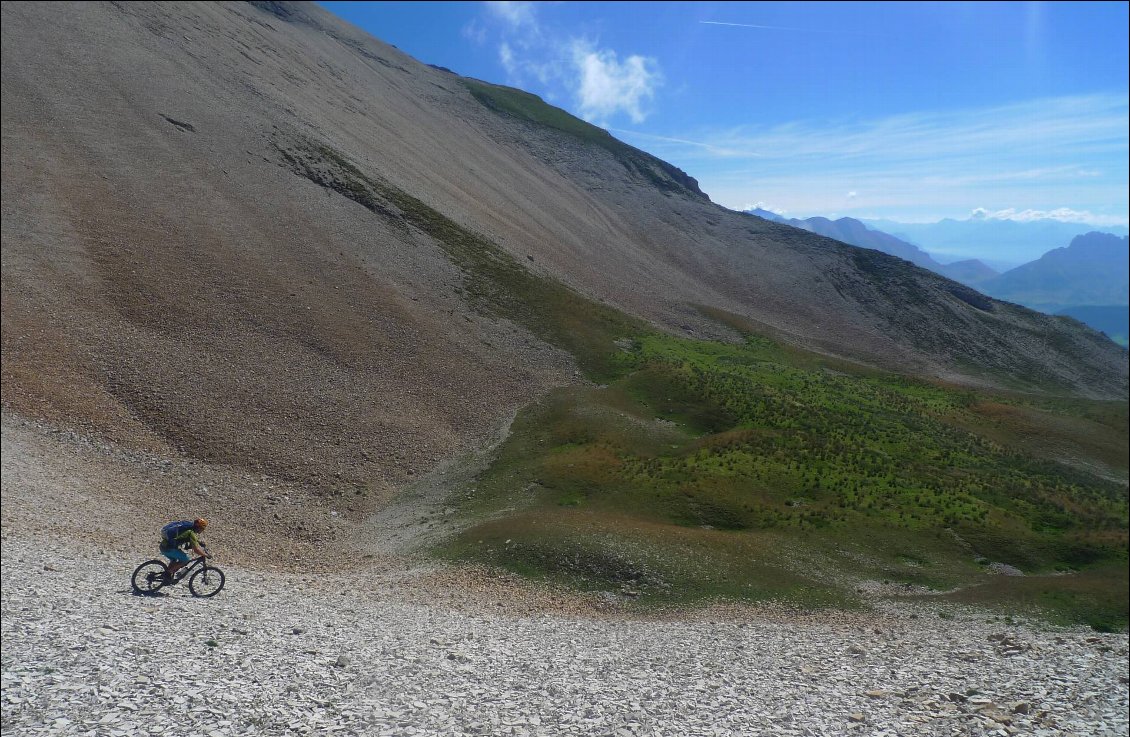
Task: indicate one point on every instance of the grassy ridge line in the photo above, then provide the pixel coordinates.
(531, 108)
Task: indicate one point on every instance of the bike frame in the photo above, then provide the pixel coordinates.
(185, 570)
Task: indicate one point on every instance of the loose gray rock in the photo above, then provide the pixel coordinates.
(95, 660)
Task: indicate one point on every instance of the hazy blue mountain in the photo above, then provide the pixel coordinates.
(1092, 270)
(970, 271)
(999, 243)
(768, 215)
(856, 233)
(1086, 280)
(850, 230)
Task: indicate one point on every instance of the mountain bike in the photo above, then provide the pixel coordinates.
(204, 580)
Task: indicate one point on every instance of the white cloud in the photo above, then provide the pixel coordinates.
(506, 58)
(789, 28)
(1079, 125)
(600, 84)
(1062, 214)
(475, 32)
(605, 85)
(517, 14)
(717, 151)
(766, 207)
(852, 195)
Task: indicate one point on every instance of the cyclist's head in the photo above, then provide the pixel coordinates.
(199, 524)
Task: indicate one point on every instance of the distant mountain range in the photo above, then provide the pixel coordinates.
(857, 233)
(1092, 270)
(971, 271)
(1011, 242)
(1086, 280)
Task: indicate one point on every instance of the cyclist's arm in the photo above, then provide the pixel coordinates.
(194, 543)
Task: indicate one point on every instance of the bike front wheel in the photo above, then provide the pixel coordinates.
(149, 577)
(206, 582)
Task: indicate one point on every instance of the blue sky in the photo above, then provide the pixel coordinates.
(906, 111)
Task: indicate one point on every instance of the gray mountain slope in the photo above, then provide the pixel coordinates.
(174, 278)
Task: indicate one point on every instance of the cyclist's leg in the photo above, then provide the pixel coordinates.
(177, 559)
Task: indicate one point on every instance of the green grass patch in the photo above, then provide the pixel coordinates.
(1092, 431)
(857, 473)
(1096, 598)
(653, 564)
(531, 108)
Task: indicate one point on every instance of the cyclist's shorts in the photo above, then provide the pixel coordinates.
(175, 554)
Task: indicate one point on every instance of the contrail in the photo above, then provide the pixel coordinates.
(785, 28)
(709, 146)
(751, 25)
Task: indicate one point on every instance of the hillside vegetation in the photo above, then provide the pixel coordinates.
(706, 469)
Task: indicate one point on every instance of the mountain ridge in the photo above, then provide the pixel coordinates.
(1064, 281)
(173, 281)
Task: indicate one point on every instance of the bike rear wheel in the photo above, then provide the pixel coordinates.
(206, 582)
(149, 577)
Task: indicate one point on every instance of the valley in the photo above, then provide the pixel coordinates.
(501, 425)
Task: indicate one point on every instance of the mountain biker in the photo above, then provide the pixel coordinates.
(178, 535)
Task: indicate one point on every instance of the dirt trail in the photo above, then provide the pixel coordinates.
(419, 514)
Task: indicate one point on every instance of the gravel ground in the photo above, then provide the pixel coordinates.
(286, 654)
